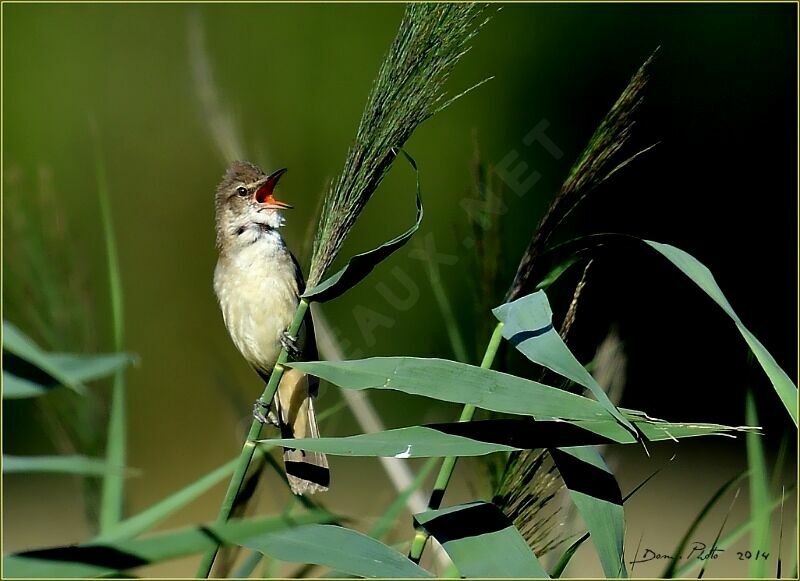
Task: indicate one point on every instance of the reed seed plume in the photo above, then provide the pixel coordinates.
(409, 89)
(222, 125)
(528, 496)
(597, 163)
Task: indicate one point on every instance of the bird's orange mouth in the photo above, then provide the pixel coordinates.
(264, 193)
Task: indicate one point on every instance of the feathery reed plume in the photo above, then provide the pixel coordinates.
(572, 311)
(596, 164)
(224, 130)
(525, 495)
(408, 90)
(610, 363)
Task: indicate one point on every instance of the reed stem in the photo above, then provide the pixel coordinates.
(249, 447)
(449, 464)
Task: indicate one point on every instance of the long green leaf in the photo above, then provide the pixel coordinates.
(702, 277)
(360, 265)
(151, 516)
(113, 489)
(336, 547)
(20, 345)
(528, 326)
(567, 555)
(456, 382)
(82, 465)
(18, 388)
(699, 274)
(759, 493)
(95, 559)
(597, 496)
(502, 435)
(481, 541)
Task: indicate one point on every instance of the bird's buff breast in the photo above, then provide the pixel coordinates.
(258, 295)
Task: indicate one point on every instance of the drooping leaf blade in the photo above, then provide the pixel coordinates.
(759, 493)
(528, 326)
(481, 541)
(360, 265)
(112, 558)
(598, 498)
(336, 547)
(702, 277)
(73, 464)
(698, 273)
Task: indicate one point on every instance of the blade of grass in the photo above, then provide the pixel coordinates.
(759, 493)
(73, 464)
(715, 545)
(146, 519)
(780, 537)
(669, 571)
(780, 461)
(113, 491)
(730, 538)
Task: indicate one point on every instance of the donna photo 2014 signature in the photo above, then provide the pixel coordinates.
(699, 551)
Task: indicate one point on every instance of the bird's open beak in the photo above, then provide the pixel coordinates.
(263, 195)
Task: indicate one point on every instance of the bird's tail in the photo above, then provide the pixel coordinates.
(307, 471)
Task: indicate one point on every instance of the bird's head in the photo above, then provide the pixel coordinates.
(245, 201)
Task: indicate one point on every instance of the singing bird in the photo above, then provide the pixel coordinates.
(258, 283)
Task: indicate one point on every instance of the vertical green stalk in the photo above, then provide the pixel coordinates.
(250, 443)
(449, 464)
(453, 332)
(113, 491)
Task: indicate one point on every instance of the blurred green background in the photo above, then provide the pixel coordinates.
(721, 184)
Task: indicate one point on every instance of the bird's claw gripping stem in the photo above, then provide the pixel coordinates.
(290, 344)
(263, 414)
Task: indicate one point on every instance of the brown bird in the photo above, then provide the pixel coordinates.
(258, 283)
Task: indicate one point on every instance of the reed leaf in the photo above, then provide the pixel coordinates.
(113, 490)
(109, 559)
(76, 464)
(481, 541)
(760, 497)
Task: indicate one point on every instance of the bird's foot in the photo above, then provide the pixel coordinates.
(263, 414)
(290, 344)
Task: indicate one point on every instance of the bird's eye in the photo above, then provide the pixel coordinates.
(242, 191)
